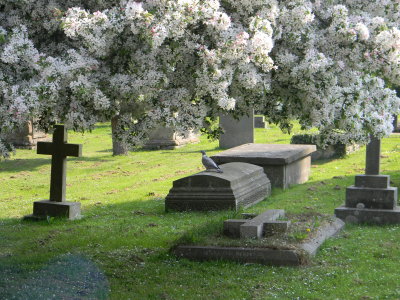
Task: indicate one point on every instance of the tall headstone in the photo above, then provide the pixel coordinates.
(57, 206)
(236, 132)
(371, 199)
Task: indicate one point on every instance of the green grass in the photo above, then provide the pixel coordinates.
(127, 234)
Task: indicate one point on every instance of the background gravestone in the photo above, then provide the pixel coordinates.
(371, 199)
(167, 138)
(236, 132)
(283, 164)
(26, 137)
(259, 122)
(56, 206)
(396, 125)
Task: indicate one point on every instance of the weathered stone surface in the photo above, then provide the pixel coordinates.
(373, 157)
(371, 197)
(167, 138)
(275, 227)
(236, 132)
(232, 227)
(45, 208)
(259, 122)
(284, 164)
(373, 181)
(240, 184)
(245, 255)
(368, 216)
(26, 137)
(323, 233)
(254, 228)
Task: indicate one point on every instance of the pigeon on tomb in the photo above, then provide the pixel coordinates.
(209, 163)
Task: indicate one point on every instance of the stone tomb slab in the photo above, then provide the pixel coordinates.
(284, 164)
(266, 256)
(240, 185)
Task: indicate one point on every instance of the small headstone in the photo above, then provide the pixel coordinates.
(284, 164)
(236, 132)
(259, 122)
(56, 206)
(371, 199)
(167, 138)
(240, 185)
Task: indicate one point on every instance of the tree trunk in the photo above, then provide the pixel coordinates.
(119, 147)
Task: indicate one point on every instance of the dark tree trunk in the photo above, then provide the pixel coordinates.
(119, 148)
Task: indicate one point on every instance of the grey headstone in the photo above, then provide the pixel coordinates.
(284, 164)
(259, 122)
(240, 185)
(236, 132)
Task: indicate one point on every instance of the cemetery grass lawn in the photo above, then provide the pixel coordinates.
(127, 234)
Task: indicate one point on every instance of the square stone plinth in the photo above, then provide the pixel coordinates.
(371, 197)
(44, 208)
(284, 164)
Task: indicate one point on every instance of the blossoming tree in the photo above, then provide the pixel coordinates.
(328, 64)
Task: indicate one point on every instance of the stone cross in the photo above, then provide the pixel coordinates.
(373, 156)
(59, 150)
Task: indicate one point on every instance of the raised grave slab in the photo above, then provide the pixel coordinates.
(268, 256)
(240, 185)
(284, 164)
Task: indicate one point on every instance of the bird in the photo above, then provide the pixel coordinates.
(209, 163)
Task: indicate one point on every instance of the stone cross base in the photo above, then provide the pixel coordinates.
(370, 200)
(43, 209)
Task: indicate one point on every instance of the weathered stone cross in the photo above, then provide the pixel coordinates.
(59, 149)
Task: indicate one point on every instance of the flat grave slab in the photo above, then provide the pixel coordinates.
(240, 185)
(286, 254)
(284, 164)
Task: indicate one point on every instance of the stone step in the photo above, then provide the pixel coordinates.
(363, 197)
(372, 181)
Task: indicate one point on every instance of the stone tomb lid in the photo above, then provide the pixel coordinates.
(265, 154)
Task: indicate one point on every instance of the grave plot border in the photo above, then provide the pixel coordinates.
(265, 256)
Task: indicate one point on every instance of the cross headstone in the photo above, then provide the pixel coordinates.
(59, 149)
(371, 199)
(373, 157)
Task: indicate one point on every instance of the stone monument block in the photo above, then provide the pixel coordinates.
(167, 138)
(26, 137)
(240, 185)
(371, 199)
(236, 132)
(259, 122)
(284, 164)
